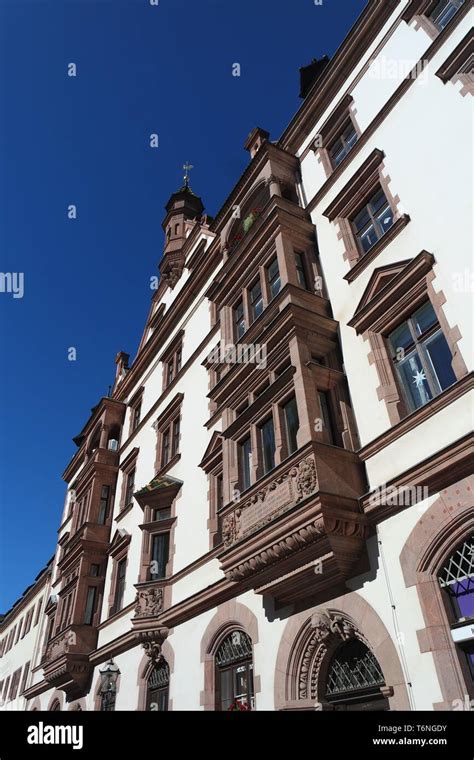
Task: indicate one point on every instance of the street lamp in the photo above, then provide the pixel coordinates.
(108, 685)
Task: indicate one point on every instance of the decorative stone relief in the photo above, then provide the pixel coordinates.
(306, 478)
(231, 528)
(149, 602)
(326, 628)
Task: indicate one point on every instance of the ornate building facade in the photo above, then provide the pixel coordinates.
(273, 510)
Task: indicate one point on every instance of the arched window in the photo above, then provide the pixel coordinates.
(456, 579)
(354, 678)
(158, 687)
(234, 673)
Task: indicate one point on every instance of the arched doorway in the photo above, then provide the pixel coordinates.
(158, 682)
(354, 679)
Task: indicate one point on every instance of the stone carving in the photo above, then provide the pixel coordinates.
(148, 602)
(153, 651)
(172, 274)
(306, 478)
(278, 551)
(326, 626)
(231, 528)
(60, 646)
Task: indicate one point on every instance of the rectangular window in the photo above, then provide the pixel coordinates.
(159, 555)
(292, 424)
(95, 571)
(165, 447)
(26, 671)
(300, 271)
(38, 610)
(130, 487)
(422, 357)
(239, 320)
(256, 301)
(120, 585)
(219, 492)
(103, 505)
(444, 11)
(267, 433)
(170, 372)
(373, 221)
(326, 413)
(90, 605)
(245, 456)
(19, 629)
(15, 684)
(28, 620)
(136, 414)
(344, 143)
(274, 280)
(162, 514)
(175, 441)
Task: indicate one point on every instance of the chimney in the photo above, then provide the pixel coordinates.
(309, 74)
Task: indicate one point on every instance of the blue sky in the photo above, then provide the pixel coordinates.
(141, 69)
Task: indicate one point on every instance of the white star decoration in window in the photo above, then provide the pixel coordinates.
(419, 378)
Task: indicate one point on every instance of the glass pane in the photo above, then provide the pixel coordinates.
(241, 683)
(444, 12)
(160, 553)
(440, 358)
(424, 318)
(464, 599)
(385, 219)
(368, 238)
(268, 445)
(323, 400)
(227, 696)
(338, 152)
(256, 300)
(292, 424)
(378, 201)
(362, 220)
(246, 462)
(400, 338)
(350, 136)
(414, 381)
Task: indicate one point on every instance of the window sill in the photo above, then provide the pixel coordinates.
(124, 511)
(166, 467)
(366, 259)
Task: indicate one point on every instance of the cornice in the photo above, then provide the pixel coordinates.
(436, 472)
(444, 399)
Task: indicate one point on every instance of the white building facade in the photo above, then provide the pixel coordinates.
(274, 508)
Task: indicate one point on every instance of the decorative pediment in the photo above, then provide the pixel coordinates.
(391, 291)
(120, 539)
(213, 452)
(379, 279)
